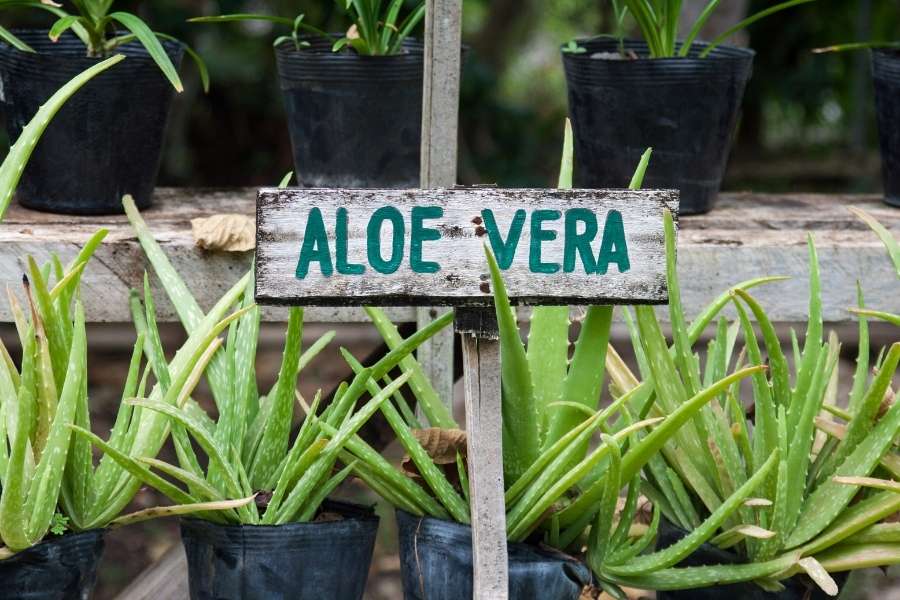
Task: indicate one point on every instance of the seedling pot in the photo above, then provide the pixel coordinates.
(886, 74)
(354, 121)
(300, 561)
(105, 142)
(796, 587)
(436, 564)
(686, 109)
(60, 568)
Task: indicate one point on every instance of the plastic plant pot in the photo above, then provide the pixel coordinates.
(300, 561)
(354, 121)
(686, 109)
(886, 75)
(59, 568)
(436, 564)
(105, 142)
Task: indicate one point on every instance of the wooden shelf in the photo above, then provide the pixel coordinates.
(747, 235)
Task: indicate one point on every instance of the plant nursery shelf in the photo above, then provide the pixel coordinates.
(747, 235)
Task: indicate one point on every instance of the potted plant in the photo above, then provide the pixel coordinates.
(292, 541)
(108, 139)
(56, 504)
(819, 512)
(15, 162)
(886, 77)
(556, 482)
(681, 98)
(353, 101)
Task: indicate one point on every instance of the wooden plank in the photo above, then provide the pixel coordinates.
(484, 433)
(745, 236)
(166, 578)
(345, 247)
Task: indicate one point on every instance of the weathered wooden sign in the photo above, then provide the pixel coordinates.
(427, 247)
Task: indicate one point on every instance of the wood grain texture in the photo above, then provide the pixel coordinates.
(166, 578)
(481, 367)
(462, 278)
(747, 235)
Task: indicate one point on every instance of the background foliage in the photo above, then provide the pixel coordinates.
(807, 125)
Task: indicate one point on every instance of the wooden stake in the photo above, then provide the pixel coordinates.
(440, 110)
(481, 365)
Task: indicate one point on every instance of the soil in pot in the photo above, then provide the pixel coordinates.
(796, 588)
(886, 75)
(59, 568)
(326, 558)
(354, 121)
(105, 142)
(436, 564)
(686, 109)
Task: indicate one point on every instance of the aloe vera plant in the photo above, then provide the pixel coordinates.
(377, 29)
(658, 22)
(556, 483)
(249, 446)
(49, 480)
(800, 515)
(96, 26)
(20, 152)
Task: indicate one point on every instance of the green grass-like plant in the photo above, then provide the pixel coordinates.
(377, 29)
(95, 24)
(828, 483)
(48, 477)
(658, 22)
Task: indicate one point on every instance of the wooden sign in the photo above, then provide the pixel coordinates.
(427, 247)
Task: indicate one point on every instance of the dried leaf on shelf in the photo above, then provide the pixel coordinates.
(226, 232)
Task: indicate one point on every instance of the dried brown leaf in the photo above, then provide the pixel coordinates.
(225, 232)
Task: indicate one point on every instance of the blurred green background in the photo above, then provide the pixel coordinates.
(808, 121)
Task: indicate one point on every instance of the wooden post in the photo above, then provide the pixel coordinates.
(440, 110)
(481, 366)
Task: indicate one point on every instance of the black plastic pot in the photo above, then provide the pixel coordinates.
(436, 564)
(107, 139)
(60, 568)
(355, 121)
(686, 109)
(886, 74)
(298, 561)
(796, 587)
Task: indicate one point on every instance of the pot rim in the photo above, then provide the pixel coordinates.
(69, 46)
(722, 52)
(320, 49)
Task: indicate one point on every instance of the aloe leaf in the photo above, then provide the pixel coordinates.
(584, 381)
(678, 551)
(548, 359)
(199, 487)
(182, 509)
(323, 491)
(886, 237)
(44, 489)
(428, 400)
(216, 454)
(859, 556)
(13, 515)
(602, 529)
(685, 578)
(520, 422)
(275, 438)
(435, 478)
(638, 455)
(830, 498)
(294, 469)
(855, 518)
(19, 153)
